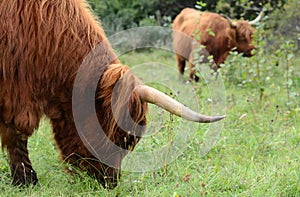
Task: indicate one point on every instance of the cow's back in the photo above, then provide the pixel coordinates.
(186, 21)
(205, 24)
(209, 29)
(42, 45)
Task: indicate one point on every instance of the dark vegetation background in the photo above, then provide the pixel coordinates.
(282, 16)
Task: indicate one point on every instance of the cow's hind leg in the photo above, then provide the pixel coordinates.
(16, 144)
(181, 63)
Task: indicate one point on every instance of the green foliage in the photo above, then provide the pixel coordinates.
(200, 5)
(117, 15)
(285, 24)
(247, 9)
(285, 53)
(262, 70)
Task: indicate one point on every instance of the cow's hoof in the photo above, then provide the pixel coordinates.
(24, 177)
(110, 184)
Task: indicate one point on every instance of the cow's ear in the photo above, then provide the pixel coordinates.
(233, 24)
(230, 40)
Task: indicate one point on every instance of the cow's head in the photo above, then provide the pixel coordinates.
(244, 38)
(244, 34)
(122, 107)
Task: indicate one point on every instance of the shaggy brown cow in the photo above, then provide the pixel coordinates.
(42, 45)
(219, 35)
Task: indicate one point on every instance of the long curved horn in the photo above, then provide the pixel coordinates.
(258, 18)
(160, 99)
(231, 23)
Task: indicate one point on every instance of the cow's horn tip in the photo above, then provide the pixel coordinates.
(217, 118)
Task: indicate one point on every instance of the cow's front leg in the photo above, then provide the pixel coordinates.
(20, 165)
(192, 75)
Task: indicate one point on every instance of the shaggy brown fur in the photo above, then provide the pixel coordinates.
(42, 45)
(194, 23)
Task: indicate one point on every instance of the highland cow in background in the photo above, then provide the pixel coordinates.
(217, 33)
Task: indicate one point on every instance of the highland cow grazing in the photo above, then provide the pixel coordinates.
(219, 35)
(42, 45)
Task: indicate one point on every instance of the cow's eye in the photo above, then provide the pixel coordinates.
(243, 39)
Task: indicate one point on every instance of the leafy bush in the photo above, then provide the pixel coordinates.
(117, 15)
(285, 24)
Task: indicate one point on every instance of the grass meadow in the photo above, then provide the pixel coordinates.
(257, 153)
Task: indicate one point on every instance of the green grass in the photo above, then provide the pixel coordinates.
(258, 153)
